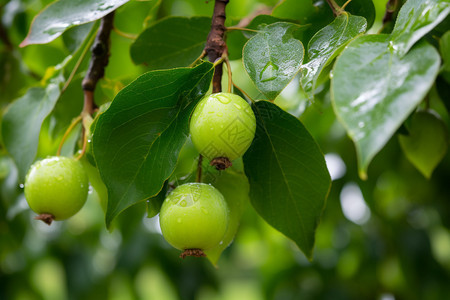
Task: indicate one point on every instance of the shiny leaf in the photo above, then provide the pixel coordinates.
(374, 90)
(137, 140)
(289, 180)
(64, 14)
(273, 57)
(326, 44)
(415, 19)
(171, 42)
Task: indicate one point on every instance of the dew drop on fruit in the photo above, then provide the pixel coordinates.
(179, 220)
(21, 185)
(60, 178)
(237, 106)
(224, 100)
(219, 114)
(183, 203)
(205, 211)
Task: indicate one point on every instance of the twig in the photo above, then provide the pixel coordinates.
(391, 7)
(215, 44)
(125, 35)
(247, 20)
(334, 7)
(99, 60)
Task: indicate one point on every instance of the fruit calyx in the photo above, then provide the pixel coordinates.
(192, 252)
(46, 218)
(221, 163)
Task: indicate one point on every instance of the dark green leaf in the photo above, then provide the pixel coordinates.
(427, 142)
(273, 57)
(415, 19)
(444, 45)
(23, 120)
(289, 180)
(374, 90)
(171, 42)
(326, 44)
(137, 140)
(64, 14)
(154, 204)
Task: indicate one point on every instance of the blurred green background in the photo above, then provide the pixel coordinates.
(384, 238)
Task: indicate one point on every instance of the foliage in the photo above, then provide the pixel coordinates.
(352, 116)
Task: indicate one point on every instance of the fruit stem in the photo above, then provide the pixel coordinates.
(230, 80)
(202, 55)
(243, 92)
(199, 168)
(221, 163)
(46, 218)
(124, 34)
(192, 252)
(66, 134)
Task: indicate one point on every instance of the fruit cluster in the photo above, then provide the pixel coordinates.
(194, 216)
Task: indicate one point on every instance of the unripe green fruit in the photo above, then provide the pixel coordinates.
(56, 186)
(222, 125)
(194, 216)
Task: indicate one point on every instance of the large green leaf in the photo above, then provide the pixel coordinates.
(289, 180)
(326, 44)
(273, 57)
(374, 90)
(171, 42)
(64, 14)
(427, 142)
(137, 140)
(22, 122)
(415, 19)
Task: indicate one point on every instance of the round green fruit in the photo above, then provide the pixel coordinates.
(222, 126)
(56, 188)
(194, 217)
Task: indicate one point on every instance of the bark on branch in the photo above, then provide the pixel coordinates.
(215, 45)
(99, 60)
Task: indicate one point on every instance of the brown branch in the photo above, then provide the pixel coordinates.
(391, 7)
(215, 44)
(99, 60)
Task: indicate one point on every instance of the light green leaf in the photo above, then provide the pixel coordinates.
(273, 57)
(22, 122)
(171, 42)
(427, 142)
(374, 90)
(289, 180)
(64, 14)
(326, 44)
(235, 188)
(137, 140)
(415, 19)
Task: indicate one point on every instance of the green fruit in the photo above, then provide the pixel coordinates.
(56, 188)
(194, 216)
(222, 125)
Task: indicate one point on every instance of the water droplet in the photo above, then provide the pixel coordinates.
(223, 99)
(210, 112)
(60, 178)
(361, 124)
(237, 106)
(221, 243)
(179, 220)
(89, 141)
(21, 185)
(269, 72)
(219, 114)
(212, 128)
(183, 203)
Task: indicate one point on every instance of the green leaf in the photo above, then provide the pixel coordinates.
(444, 47)
(427, 142)
(273, 57)
(137, 140)
(235, 188)
(415, 19)
(326, 44)
(260, 22)
(171, 42)
(22, 122)
(154, 204)
(289, 180)
(64, 14)
(373, 90)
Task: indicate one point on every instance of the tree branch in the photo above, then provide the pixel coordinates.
(99, 60)
(215, 45)
(391, 7)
